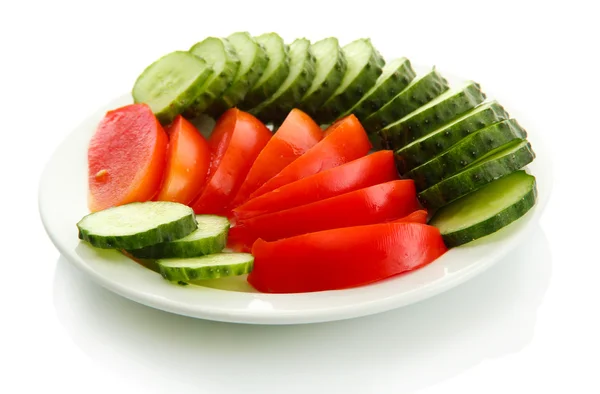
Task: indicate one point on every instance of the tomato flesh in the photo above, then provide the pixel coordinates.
(419, 216)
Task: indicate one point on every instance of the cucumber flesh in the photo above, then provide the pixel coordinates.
(364, 66)
(395, 76)
(211, 266)
(495, 165)
(171, 84)
(330, 70)
(419, 92)
(253, 62)
(441, 110)
(137, 225)
(437, 142)
(486, 210)
(289, 94)
(210, 237)
(221, 56)
(274, 74)
(467, 151)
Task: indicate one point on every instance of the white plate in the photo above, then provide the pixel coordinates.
(63, 201)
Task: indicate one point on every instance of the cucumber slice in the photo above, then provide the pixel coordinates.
(171, 84)
(467, 151)
(302, 72)
(418, 93)
(211, 266)
(496, 164)
(137, 225)
(486, 210)
(210, 237)
(274, 74)
(426, 148)
(364, 66)
(253, 62)
(441, 110)
(221, 56)
(330, 69)
(395, 76)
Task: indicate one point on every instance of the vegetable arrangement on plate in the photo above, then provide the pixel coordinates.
(371, 170)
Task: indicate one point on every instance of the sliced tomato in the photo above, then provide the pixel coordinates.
(188, 158)
(375, 204)
(342, 258)
(297, 134)
(246, 136)
(366, 171)
(126, 157)
(419, 216)
(348, 141)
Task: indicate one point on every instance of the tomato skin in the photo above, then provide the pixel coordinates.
(126, 157)
(246, 137)
(188, 159)
(369, 170)
(348, 141)
(419, 216)
(375, 204)
(343, 258)
(296, 135)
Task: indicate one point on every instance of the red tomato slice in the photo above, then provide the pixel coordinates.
(375, 204)
(369, 170)
(419, 216)
(246, 137)
(348, 141)
(188, 158)
(297, 134)
(342, 258)
(126, 157)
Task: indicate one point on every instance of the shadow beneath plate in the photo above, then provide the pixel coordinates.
(408, 349)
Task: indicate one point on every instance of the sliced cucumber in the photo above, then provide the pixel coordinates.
(441, 110)
(433, 144)
(211, 266)
(418, 93)
(467, 151)
(486, 210)
(137, 225)
(289, 94)
(395, 76)
(364, 66)
(210, 237)
(171, 84)
(330, 69)
(497, 164)
(253, 62)
(274, 74)
(221, 56)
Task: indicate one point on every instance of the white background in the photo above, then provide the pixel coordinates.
(527, 325)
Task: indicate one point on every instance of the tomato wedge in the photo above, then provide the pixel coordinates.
(369, 170)
(375, 204)
(126, 158)
(419, 216)
(245, 136)
(348, 141)
(188, 158)
(342, 258)
(297, 134)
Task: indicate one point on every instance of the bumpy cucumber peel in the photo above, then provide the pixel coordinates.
(428, 147)
(211, 266)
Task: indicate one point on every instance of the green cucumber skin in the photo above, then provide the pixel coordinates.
(182, 250)
(165, 232)
(342, 101)
(314, 99)
(379, 95)
(405, 131)
(415, 95)
(466, 152)
(475, 177)
(414, 155)
(184, 274)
